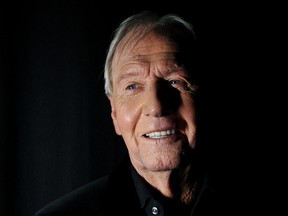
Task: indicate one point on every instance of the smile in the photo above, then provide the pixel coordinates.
(160, 134)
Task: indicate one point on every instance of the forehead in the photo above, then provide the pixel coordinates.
(145, 47)
(154, 51)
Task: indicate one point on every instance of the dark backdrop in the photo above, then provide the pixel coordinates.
(55, 128)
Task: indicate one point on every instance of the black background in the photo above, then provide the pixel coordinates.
(56, 133)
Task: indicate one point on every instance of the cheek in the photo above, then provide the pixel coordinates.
(127, 116)
(188, 110)
(188, 113)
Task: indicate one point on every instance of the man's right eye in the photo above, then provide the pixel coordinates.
(132, 87)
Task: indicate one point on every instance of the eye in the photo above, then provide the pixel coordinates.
(132, 86)
(179, 84)
(183, 85)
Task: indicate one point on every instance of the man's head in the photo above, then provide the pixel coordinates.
(151, 82)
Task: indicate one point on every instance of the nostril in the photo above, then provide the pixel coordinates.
(158, 109)
(153, 110)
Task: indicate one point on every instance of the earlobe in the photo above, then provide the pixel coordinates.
(114, 117)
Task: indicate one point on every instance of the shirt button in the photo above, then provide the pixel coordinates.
(155, 210)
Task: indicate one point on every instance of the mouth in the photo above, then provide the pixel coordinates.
(160, 134)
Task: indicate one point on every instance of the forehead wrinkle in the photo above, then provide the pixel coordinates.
(168, 69)
(159, 71)
(165, 56)
(165, 63)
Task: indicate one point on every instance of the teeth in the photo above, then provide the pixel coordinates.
(160, 134)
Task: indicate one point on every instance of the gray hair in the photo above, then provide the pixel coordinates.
(142, 23)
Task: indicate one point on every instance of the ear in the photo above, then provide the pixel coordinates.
(114, 116)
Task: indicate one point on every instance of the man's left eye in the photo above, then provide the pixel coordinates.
(178, 83)
(183, 85)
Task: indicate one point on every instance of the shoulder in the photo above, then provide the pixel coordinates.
(96, 198)
(85, 200)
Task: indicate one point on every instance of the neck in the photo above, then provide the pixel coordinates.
(178, 184)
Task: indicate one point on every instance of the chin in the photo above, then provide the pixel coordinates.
(162, 163)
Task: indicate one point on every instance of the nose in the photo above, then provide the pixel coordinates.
(161, 99)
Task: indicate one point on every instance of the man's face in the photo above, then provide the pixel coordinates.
(152, 103)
